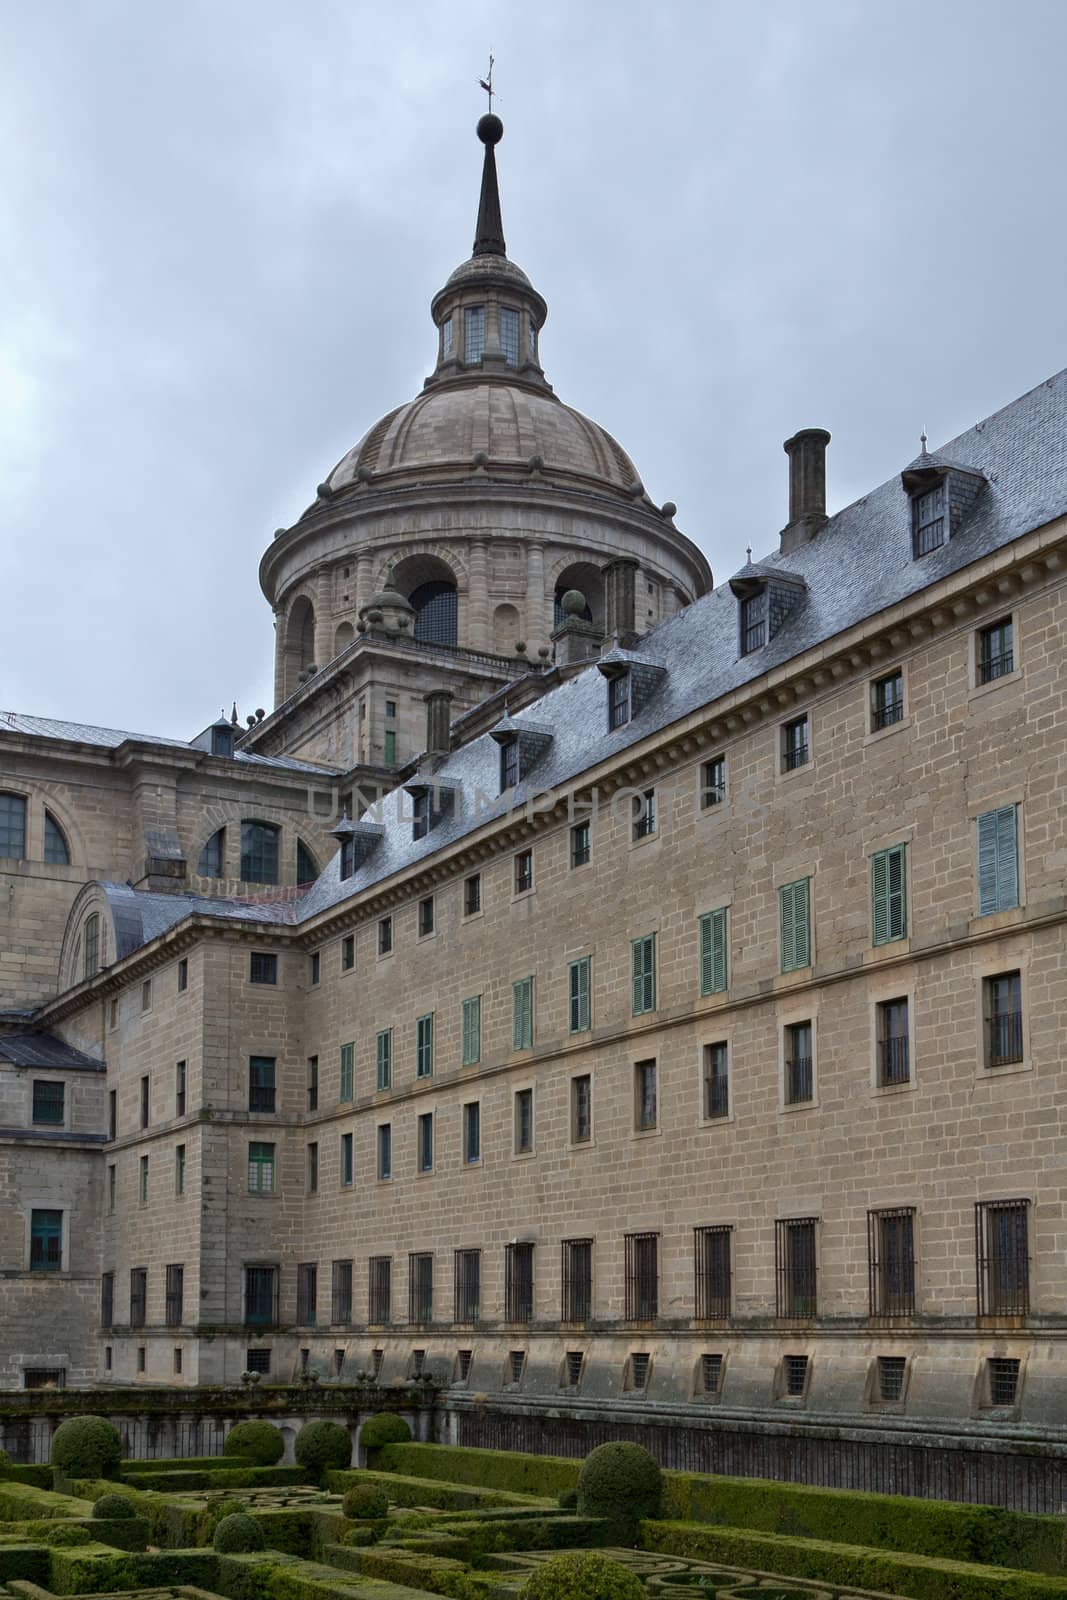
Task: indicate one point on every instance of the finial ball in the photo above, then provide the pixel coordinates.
(573, 603)
(490, 128)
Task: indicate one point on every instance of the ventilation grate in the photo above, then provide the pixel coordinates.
(516, 1365)
(638, 1369)
(891, 1371)
(574, 1364)
(463, 1364)
(711, 1373)
(1003, 1381)
(796, 1374)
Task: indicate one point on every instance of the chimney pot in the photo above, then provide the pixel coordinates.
(438, 722)
(807, 486)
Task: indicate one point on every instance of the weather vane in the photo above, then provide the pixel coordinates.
(486, 83)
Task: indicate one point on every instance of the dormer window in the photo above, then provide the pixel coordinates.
(446, 337)
(509, 335)
(431, 803)
(473, 334)
(509, 765)
(421, 815)
(928, 520)
(522, 746)
(619, 700)
(754, 622)
(348, 858)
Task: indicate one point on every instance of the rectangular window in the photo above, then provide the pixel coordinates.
(795, 1273)
(111, 1190)
(522, 1014)
(424, 1047)
(891, 1373)
(446, 337)
(753, 622)
(645, 1109)
(425, 1142)
(643, 974)
(179, 1169)
(581, 1108)
(313, 1167)
(390, 747)
(380, 1275)
(799, 1064)
(644, 814)
(795, 744)
(13, 830)
(713, 1275)
(642, 1277)
(261, 1298)
(579, 988)
(347, 1142)
(138, 1296)
(259, 852)
(581, 845)
(472, 1132)
(174, 1304)
(794, 911)
(426, 916)
(46, 1241)
(145, 1086)
(889, 905)
(348, 952)
(420, 1289)
(891, 1262)
(183, 975)
(467, 1286)
(716, 1080)
(472, 895)
(261, 1169)
(996, 653)
(1002, 1376)
(92, 945)
(618, 700)
(263, 968)
(577, 1280)
(998, 861)
(112, 1113)
(1002, 1251)
(385, 936)
(146, 995)
(887, 701)
(48, 1102)
(524, 1122)
(472, 1031)
(509, 335)
(713, 972)
(713, 782)
(347, 1090)
(107, 1300)
(179, 1089)
(519, 1282)
(893, 1061)
(524, 872)
(314, 967)
(383, 1060)
(421, 814)
(313, 1083)
(143, 1185)
(385, 1150)
(261, 1088)
(928, 521)
(307, 1293)
(1003, 1019)
(473, 334)
(341, 1292)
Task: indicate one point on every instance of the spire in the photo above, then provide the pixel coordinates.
(489, 237)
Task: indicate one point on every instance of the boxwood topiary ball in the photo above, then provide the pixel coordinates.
(620, 1481)
(323, 1447)
(365, 1502)
(113, 1506)
(87, 1447)
(259, 1442)
(583, 1575)
(237, 1534)
(385, 1427)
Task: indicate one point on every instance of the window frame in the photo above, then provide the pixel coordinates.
(993, 1300)
(424, 1143)
(255, 855)
(471, 1119)
(884, 1301)
(712, 1283)
(712, 792)
(523, 1122)
(620, 700)
(796, 1271)
(383, 1144)
(47, 1243)
(794, 752)
(580, 844)
(995, 666)
(263, 967)
(644, 822)
(641, 1277)
(523, 878)
(426, 917)
(794, 1075)
(885, 715)
(889, 894)
(753, 621)
(265, 1167)
(646, 1114)
(575, 1095)
(346, 1160)
(710, 1078)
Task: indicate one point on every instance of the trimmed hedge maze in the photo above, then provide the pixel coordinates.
(486, 1525)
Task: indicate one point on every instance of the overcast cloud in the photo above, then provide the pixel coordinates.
(221, 224)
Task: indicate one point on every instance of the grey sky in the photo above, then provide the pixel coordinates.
(221, 224)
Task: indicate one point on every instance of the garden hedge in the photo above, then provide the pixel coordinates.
(546, 1476)
(177, 1480)
(260, 1442)
(87, 1447)
(583, 1575)
(39, 1477)
(323, 1447)
(29, 1562)
(94, 1569)
(21, 1501)
(435, 1492)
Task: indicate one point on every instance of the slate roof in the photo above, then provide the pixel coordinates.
(43, 1050)
(141, 916)
(111, 738)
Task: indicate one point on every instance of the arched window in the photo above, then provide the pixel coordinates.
(12, 826)
(436, 611)
(212, 863)
(307, 868)
(259, 852)
(55, 845)
(92, 945)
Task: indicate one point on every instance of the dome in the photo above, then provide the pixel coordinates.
(442, 432)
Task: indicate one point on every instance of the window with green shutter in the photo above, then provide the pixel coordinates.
(713, 952)
(998, 861)
(384, 1059)
(579, 988)
(424, 1047)
(522, 1014)
(348, 1072)
(794, 910)
(889, 900)
(472, 1030)
(643, 974)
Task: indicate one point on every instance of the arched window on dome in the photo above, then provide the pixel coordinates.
(436, 612)
(473, 334)
(56, 850)
(509, 335)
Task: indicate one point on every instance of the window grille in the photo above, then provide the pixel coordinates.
(307, 1285)
(799, 1064)
(577, 1280)
(996, 655)
(795, 1374)
(713, 1276)
(348, 953)
(642, 1277)
(261, 1087)
(138, 1296)
(795, 744)
(573, 1362)
(795, 1268)
(420, 1289)
(711, 1374)
(713, 782)
(263, 968)
(467, 1286)
(175, 1296)
(48, 1101)
(381, 1290)
(638, 1369)
(888, 701)
(472, 895)
(519, 1282)
(341, 1292)
(261, 1297)
(716, 1081)
(891, 1262)
(1003, 1019)
(891, 1374)
(893, 1061)
(44, 1378)
(258, 1360)
(464, 1362)
(1002, 1251)
(1003, 1375)
(436, 612)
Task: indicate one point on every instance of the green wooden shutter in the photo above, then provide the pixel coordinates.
(643, 973)
(347, 1073)
(385, 1059)
(472, 1031)
(795, 933)
(998, 861)
(889, 916)
(579, 995)
(522, 1014)
(713, 952)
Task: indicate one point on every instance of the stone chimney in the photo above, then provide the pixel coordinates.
(620, 594)
(438, 722)
(807, 487)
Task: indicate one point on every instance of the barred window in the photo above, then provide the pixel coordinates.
(48, 1101)
(713, 782)
(46, 1241)
(420, 1289)
(519, 1282)
(1003, 1019)
(426, 919)
(996, 654)
(263, 968)
(795, 1268)
(642, 1276)
(891, 1262)
(472, 895)
(644, 814)
(524, 872)
(893, 1063)
(467, 1286)
(712, 1272)
(381, 1290)
(581, 849)
(795, 752)
(887, 701)
(577, 1280)
(341, 1292)
(261, 1083)
(174, 1304)
(138, 1296)
(261, 1298)
(799, 1064)
(1002, 1251)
